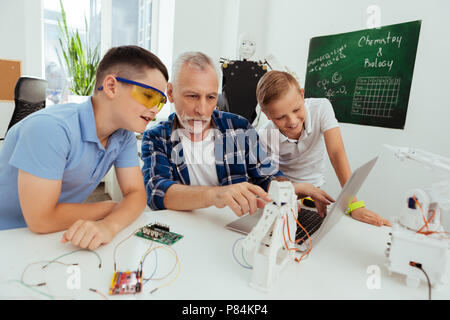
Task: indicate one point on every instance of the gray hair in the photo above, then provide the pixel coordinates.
(195, 59)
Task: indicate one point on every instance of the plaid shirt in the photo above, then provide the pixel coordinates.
(242, 158)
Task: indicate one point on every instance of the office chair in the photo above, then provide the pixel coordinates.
(29, 97)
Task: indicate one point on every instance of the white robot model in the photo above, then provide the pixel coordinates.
(418, 240)
(266, 243)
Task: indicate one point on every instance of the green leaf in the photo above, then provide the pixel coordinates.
(81, 61)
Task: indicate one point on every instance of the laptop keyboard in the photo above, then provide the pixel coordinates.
(310, 220)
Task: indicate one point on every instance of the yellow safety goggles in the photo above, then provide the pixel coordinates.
(146, 95)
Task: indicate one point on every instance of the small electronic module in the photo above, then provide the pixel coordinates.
(159, 232)
(126, 282)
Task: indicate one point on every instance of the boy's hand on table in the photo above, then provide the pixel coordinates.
(88, 234)
(370, 217)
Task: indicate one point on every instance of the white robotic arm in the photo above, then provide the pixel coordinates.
(417, 237)
(267, 242)
(430, 160)
(427, 201)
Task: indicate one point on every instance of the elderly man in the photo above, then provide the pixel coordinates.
(203, 157)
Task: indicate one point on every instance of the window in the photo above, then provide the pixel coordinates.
(124, 23)
(128, 22)
(145, 24)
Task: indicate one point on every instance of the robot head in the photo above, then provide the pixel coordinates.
(247, 46)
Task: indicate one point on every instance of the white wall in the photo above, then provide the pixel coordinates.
(198, 27)
(21, 32)
(214, 26)
(284, 28)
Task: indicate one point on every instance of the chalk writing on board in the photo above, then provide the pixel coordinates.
(370, 82)
(327, 59)
(388, 40)
(332, 88)
(336, 78)
(375, 96)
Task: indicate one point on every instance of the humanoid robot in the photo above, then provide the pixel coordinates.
(240, 78)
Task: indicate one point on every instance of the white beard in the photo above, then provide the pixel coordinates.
(198, 127)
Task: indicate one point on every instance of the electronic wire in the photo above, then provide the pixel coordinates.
(428, 231)
(34, 289)
(309, 238)
(44, 261)
(154, 270)
(243, 257)
(144, 256)
(177, 263)
(162, 278)
(419, 266)
(428, 281)
(285, 223)
(98, 292)
(48, 262)
(117, 245)
(66, 254)
(141, 263)
(173, 268)
(233, 250)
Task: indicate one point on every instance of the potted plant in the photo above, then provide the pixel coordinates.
(81, 60)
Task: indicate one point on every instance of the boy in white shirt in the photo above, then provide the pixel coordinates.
(307, 129)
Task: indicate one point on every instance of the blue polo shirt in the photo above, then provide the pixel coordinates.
(59, 143)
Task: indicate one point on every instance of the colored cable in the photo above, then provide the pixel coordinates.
(117, 245)
(428, 231)
(233, 250)
(421, 211)
(243, 257)
(285, 220)
(177, 262)
(34, 289)
(419, 266)
(144, 256)
(98, 292)
(44, 261)
(66, 254)
(309, 238)
(154, 270)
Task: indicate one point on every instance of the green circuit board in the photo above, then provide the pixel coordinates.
(159, 233)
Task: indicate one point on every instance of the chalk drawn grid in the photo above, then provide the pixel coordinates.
(375, 96)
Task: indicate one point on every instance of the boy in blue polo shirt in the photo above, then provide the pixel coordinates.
(53, 159)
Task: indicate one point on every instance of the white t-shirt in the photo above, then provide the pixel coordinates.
(200, 160)
(302, 160)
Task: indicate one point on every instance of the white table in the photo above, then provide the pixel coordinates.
(337, 270)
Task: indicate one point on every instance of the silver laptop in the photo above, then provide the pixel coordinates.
(246, 223)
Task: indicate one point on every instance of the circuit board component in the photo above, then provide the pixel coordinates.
(159, 232)
(128, 282)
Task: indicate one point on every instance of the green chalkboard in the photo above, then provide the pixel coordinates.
(365, 74)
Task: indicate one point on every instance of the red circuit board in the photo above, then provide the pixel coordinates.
(126, 282)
